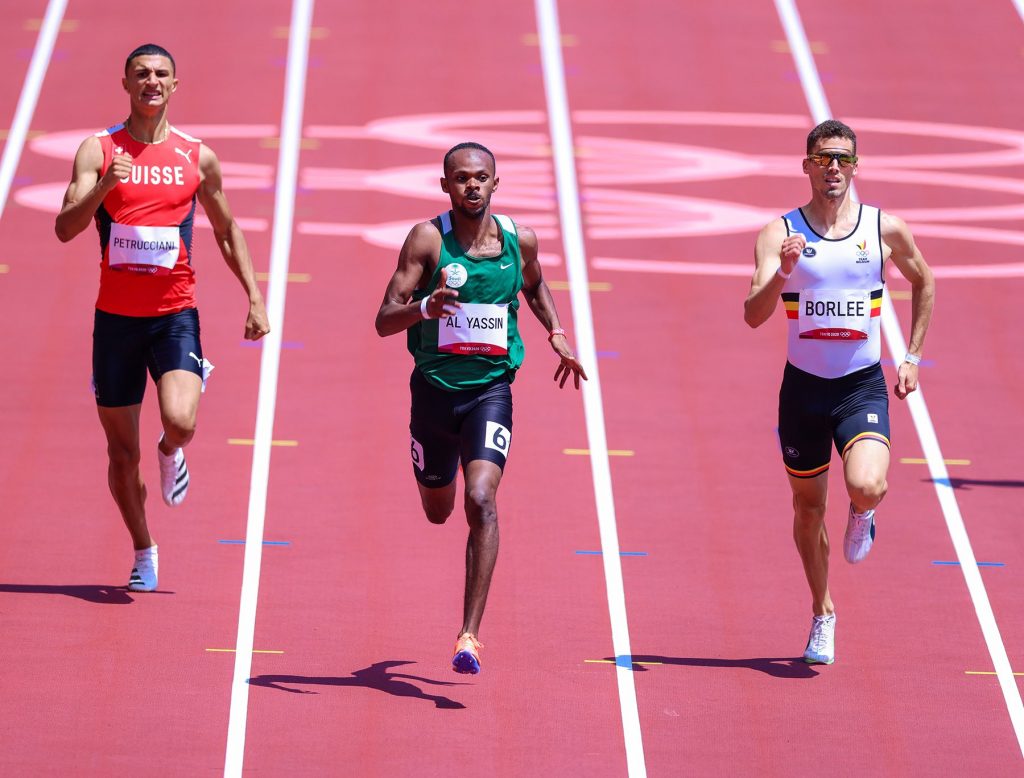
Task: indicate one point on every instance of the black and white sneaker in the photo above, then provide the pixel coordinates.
(173, 476)
(144, 573)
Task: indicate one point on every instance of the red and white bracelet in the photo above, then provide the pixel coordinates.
(555, 331)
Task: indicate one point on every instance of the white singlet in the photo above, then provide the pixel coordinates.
(833, 299)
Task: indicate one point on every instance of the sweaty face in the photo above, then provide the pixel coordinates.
(150, 81)
(469, 181)
(834, 180)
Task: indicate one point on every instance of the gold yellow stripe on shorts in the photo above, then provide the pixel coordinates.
(807, 473)
(866, 436)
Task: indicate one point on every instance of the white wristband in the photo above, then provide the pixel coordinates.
(423, 307)
(913, 359)
(780, 274)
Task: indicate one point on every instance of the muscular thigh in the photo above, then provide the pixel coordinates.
(805, 429)
(486, 430)
(861, 411)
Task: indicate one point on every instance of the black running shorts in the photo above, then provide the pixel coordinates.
(816, 412)
(125, 347)
(449, 427)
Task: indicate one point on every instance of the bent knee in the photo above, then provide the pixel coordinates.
(180, 428)
(869, 491)
(481, 505)
(437, 515)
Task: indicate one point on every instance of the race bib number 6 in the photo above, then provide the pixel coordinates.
(498, 438)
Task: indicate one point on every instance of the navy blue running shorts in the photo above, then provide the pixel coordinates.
(816, 412)
(449, 427)
(125, 347)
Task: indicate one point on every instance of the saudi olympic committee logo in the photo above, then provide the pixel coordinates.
(456, 275)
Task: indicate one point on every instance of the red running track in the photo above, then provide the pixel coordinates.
(365, 599)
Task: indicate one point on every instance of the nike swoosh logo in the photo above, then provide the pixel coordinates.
(506, 267)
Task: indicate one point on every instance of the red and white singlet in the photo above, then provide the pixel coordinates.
(145, 225)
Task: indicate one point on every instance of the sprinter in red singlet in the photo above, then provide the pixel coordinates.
(825, 261)
(139, 182)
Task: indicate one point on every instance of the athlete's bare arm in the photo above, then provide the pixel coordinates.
(230, 240)
(539, 298)
(907, 258)
(87, 188)
(773, 250)
(416, 263)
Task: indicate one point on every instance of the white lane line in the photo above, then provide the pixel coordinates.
(29, 97)
(919, 413)
(1020, 8)
(576, 263)
(284, 213)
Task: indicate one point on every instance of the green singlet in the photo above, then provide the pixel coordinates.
(480, 344)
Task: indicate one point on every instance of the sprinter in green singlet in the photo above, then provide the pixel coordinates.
(455, 292)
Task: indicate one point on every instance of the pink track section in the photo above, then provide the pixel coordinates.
(689, 124)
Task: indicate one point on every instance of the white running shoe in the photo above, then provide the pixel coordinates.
(143, 577)
(173, 476)
(860, 534)
(821, 645)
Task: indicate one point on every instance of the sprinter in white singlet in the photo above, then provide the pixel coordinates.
(825, 261)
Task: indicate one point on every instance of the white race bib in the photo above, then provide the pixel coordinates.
(139, 249)
(835, 314)
(476, 329)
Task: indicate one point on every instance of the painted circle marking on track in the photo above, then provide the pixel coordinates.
(611, 163)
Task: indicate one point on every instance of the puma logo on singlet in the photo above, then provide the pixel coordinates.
(197, 359)
(185, 154)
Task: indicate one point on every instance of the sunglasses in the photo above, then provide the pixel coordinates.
(825, 160)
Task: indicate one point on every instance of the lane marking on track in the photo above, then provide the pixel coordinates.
(270, 360)
(984, 672)
(980, 564)
(916, 461)
(533, 39)
(595, 286)
(820, 111)
(612, 662)
(612, 452)
(608, 354)
(621, 553)
(5, 269)
(293, 278)
(1020, 8)
(48, 28)
(285, 344)
(265, 542)
(252, 442)
(576, 263)
(233, 650)
(67, 25)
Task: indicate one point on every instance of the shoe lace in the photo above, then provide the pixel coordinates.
(822, 633)
(861, 527)
(467, 640)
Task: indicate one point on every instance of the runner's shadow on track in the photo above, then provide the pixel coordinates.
(781, 667)
(97, 593)
(967, 483)
(376, 676)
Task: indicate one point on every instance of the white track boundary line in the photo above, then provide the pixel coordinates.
(29, 97)
(576, 262)
(284, 212)
(818, 103)
(1020, 8)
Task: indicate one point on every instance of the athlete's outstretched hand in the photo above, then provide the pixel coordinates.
(907, 380)
(441, 304)
(569, 364)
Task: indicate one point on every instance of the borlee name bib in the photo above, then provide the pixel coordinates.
(835, 314)
(477, 328)
(138, 249)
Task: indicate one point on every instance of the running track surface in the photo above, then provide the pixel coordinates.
(682, 117)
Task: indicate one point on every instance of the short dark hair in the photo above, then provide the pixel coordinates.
(149, 50)
(831, 128)
(468, 145)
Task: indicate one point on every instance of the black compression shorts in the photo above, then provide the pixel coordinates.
(124, 347)
(815, 412)
(447, 427)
